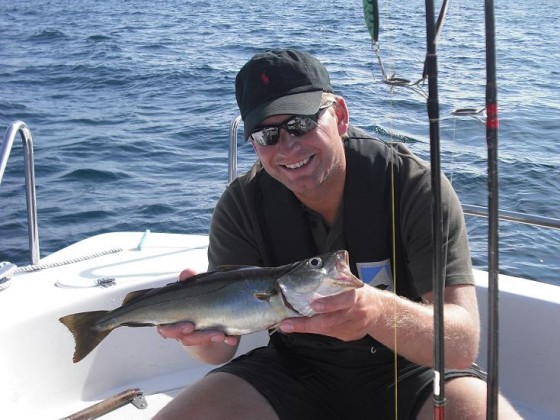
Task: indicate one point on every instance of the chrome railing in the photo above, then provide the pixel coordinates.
(548, 222)
(512, 216)
(33, 229)
(32, 225)
(232, 161)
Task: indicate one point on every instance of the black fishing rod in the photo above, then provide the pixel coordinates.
(437, 224)
(371, 14)
(492, 124)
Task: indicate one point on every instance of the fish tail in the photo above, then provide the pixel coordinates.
(85, 336)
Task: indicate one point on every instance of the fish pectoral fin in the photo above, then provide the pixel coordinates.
(273, 328)
(266, 295)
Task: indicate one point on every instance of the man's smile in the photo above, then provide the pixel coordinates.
(299, 164)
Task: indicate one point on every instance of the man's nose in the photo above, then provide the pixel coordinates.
(285, 139)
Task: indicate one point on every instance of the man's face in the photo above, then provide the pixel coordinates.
(310, 163)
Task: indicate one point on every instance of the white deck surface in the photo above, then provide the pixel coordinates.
(39, 380)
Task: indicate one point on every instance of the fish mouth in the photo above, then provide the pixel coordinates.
(345, 277)
(342, 260)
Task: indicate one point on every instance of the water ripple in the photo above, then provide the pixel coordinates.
(130, 107)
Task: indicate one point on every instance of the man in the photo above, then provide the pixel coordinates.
(323, 185)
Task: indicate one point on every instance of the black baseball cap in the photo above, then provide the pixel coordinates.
(279, 82)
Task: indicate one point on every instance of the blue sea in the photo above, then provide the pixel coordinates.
(130, 102)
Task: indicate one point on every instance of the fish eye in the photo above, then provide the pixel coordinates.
(316, 262)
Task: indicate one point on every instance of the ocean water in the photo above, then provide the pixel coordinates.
(130, 101)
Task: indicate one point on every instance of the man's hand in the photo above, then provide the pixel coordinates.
(347, 316)
(204, 344)
(185, 333)
(381, 314)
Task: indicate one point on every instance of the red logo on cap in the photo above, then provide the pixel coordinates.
(264, 79)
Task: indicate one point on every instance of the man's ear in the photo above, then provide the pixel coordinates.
(342, 115)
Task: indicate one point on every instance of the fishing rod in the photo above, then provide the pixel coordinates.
(433, 30)
(492, 124)
(431, 69)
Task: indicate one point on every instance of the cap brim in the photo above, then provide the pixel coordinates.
(305, 103)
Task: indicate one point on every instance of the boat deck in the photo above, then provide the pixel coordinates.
(39, 379)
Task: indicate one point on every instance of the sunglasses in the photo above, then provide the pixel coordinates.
(295, 126)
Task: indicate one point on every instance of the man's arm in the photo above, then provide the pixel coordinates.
(381, 314)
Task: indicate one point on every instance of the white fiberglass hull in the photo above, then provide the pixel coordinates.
(39, 380)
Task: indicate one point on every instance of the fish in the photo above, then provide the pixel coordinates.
(236, 300)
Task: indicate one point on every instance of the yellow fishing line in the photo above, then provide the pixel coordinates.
(394, 254)
(394, 270)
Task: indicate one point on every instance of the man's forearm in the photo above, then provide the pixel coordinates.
(408, 328)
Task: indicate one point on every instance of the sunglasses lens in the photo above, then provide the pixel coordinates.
(300, 125)
(266, 136)
(297, 126)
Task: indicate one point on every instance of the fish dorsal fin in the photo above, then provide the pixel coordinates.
(134, 295)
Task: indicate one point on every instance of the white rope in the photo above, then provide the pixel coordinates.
(37, 267)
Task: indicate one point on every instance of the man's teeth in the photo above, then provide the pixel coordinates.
(298, 165)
